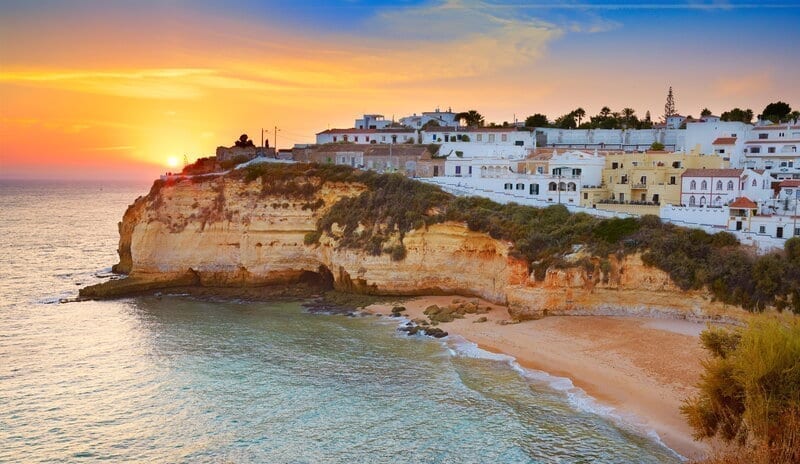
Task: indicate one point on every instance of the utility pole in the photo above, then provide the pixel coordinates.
(275, 140)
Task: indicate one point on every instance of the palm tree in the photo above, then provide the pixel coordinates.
(472, 118)
(628, 113)
(605, 111)
(579, 113)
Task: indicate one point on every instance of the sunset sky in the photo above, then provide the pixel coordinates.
(116, 89)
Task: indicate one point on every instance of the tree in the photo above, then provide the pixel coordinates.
(471, 118)
(737, 114)
(669, 107)
(657, 146)
(579, 113)
(536, 120)
(647, 116)
(566, 121)
(244, 141)
(749, 394)
(429, 124)
(605, 111)
(776, 112)
(705, 112)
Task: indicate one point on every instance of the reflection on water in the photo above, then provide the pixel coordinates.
(177, 379)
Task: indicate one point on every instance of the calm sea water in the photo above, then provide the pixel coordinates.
(178, 379)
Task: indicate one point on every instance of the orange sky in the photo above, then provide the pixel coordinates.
(104, 89)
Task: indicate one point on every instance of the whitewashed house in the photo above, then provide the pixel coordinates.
(719, 187)
(480, 136)
(442, 118)
(629, 140)
(372, 121)
(366, 136)
(774, 148)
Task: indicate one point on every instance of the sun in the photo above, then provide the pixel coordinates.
(173, 162)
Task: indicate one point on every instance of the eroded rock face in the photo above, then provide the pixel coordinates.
(227, 232)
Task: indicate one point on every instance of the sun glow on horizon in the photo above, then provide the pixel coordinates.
(173, 162)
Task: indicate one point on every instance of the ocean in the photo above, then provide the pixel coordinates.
(183, 379)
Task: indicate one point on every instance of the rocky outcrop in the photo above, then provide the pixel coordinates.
(226, 232)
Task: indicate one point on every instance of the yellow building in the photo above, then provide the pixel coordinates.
(640, 182)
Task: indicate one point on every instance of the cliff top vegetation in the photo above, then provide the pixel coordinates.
(392, 205)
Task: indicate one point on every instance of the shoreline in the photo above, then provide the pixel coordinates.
(641, 368)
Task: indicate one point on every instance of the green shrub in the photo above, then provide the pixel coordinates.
(750, 392)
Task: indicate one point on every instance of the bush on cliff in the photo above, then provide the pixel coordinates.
(394, 205)
(749, 394)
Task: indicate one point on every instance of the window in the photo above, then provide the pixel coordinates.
(504, 137)
(783, 164)
(755, 149)
(344, 138)
(796, 231)
(367, 138)
(355, 139)
(469, 170)
(576, 172)
(585, 196)
(693, 186)
(552, 186)
(704, 185)
(762, 229)
(508, 186)
(676, 164)
(520, 186)
(781, 134)
(702, 201)
(534, 189)
(730, 185)
(755, 183)
(614, 165)
(719, 185)
(718, 201)
(721, 151)
(643, 180)
(334, 138)
(762, 136)
(671, 180)
(540, 170)
(692, 201)
(771, 150)
(491, 138)
(383, 138)
(479, 137)
(789, 192)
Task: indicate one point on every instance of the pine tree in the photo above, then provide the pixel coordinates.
(647, 116)
(669, 108)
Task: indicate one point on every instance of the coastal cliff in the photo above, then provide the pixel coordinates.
(234, 231)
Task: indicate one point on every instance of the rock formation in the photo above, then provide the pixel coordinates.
(224, 231)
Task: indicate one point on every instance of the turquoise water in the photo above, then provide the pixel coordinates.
(179, 379)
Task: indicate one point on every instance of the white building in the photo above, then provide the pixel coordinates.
(442, 118)
(372, 121)
(362, 136)
(480, 136)
(610, 139)
(708, 134)
(774, 148)
(719, 187)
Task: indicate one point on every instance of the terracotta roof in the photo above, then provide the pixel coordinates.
(743, 202)
(712, 173)
(790, 183)
(367, 131)
(724, 141)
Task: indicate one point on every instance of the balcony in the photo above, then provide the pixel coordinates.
(639, 186)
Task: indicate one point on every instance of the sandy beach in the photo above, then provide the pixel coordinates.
(643, 368)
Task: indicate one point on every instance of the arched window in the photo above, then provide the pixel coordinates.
(704, 186)
(571, 187)
(702, 201)
(755, 183)
(719, 185)
(730, 185)
(552, 187)
(693, 185)
(718, 201)
(692, 201)
(562, 186)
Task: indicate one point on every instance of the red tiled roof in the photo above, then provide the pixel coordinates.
(789, 183)
(743, 202)
(724, 141)
(712, 173)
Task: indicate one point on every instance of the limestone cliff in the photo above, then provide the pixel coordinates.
(224, 231)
